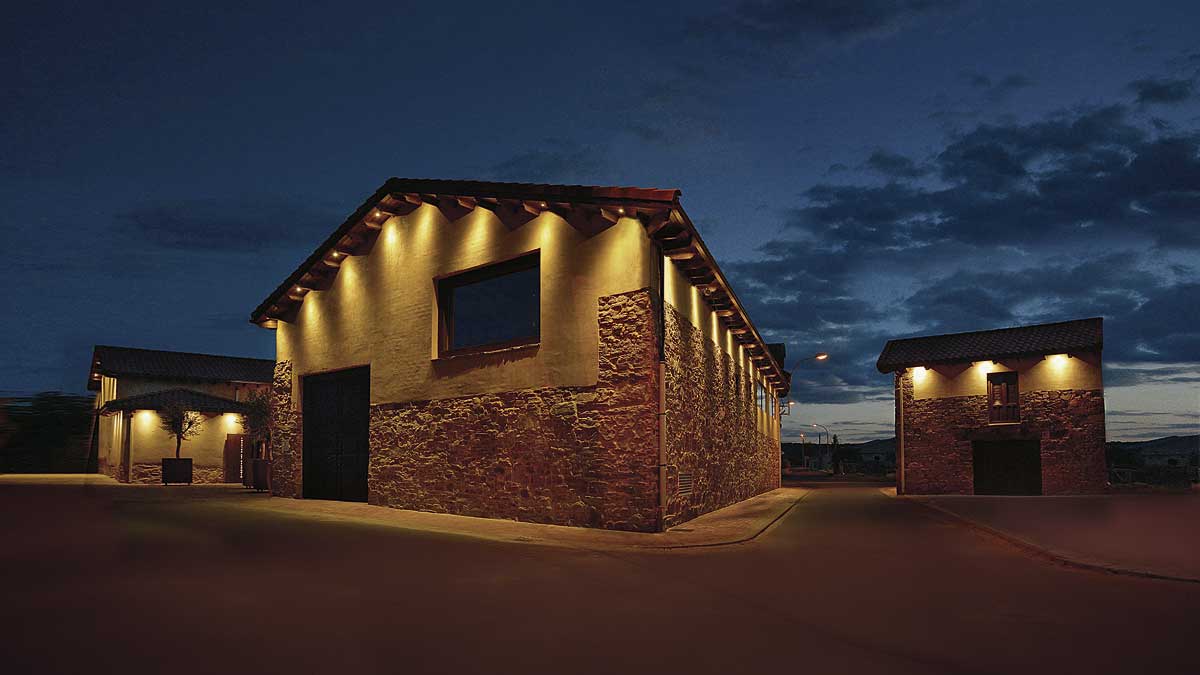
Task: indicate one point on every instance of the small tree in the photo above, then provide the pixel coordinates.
(256, 420)
(181, 424)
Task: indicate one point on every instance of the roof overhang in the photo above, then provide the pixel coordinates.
(586, 208)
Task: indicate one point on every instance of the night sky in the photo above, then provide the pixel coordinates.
(861, 169)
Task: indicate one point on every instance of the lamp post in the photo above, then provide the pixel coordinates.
(819, 356)
(828, 437)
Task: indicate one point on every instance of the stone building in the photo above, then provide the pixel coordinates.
(557, 354)
(132, 385)
(1009, 411)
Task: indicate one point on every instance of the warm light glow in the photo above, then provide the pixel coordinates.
(621, 211)
(791, 403)
(231, 420)
(1058, 361)
(919, 373)
(821, 356)
(144, 415)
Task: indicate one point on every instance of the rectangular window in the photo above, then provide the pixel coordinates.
(1003, 398)
(760, 396)
(490, 307)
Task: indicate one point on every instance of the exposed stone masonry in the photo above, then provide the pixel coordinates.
(151, 472)
(938, 433)
(286, 457)
(563, 455)
(711, 429)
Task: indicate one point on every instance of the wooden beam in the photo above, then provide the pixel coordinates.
(513, 213)
(655, 224)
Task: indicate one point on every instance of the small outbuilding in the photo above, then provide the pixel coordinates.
(1016, 411)
(133, 385)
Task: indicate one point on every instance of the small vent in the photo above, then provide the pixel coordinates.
(685, 483)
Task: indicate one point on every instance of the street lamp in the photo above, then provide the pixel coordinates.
(827, 436)
(819, 356)
(828, 439)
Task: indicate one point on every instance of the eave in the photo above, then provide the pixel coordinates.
(588, 209)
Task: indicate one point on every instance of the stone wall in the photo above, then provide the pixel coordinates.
(563, 455)
(113, 470)
(285, 444)
(711, 429)
(148, 473)
(938, 433)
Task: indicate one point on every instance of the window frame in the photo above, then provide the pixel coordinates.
(1004, 397)
(446, 284)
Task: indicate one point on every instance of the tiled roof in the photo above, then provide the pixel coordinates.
(188, 399)
(1047, 338)
(588, 208)
(128, 361)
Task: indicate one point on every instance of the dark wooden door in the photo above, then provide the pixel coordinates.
(1007, 467)
(336, 449)
(235, 446)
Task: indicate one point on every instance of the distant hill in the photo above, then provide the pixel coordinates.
(1127, 451)
(1167, 444)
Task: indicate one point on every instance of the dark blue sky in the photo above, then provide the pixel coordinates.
(862, 169)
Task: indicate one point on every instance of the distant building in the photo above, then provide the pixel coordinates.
(549, 353)
(132, 385)
(1009, 411)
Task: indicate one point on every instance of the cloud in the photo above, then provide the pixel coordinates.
(1147, 319)
(1151, 91)
(552, 161)
(997, 90)
(1084, 212)
(804, 24)
(245, 225)
(893, 165)
(1087, 172)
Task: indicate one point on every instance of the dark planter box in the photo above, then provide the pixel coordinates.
(262, 474)
(176, 470)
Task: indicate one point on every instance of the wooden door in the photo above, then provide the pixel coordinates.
(336, 420)
(235, 447)
(1007, 467)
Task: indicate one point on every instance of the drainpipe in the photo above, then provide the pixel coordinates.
(662, 446)
(900, 432)
(662, 390)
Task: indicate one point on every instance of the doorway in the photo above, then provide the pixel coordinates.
(1011, 467)
(335, 442)
(235, 452)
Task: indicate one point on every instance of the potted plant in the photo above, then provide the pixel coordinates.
(181, 424)
(256, 424)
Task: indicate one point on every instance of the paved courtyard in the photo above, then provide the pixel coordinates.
(848, 580)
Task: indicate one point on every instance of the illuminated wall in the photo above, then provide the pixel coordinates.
(381, 308)
(234, 391)
(689, 302)
(149, 443)
(1055, 372)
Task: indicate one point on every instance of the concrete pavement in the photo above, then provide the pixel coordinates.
(734, 524)
(1142, 534)
(157, 580)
